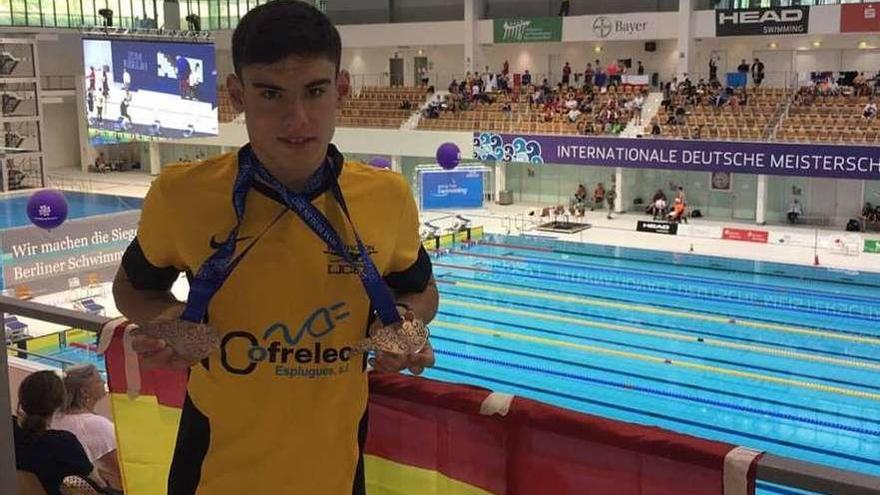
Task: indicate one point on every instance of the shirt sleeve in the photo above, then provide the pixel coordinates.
(409, 269)
(156, 233)
(101, 437)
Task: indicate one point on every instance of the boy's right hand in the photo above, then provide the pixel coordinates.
(155, 353)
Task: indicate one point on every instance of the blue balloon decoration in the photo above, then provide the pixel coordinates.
(448, 155)
(47, 209)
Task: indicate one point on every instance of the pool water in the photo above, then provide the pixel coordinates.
(13, 208)
(776, 357)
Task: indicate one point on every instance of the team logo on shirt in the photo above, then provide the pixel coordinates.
(336, 265)
(281, 347)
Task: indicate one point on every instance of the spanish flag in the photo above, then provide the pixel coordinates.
(434, 438)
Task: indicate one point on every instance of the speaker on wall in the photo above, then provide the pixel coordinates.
(650, 46)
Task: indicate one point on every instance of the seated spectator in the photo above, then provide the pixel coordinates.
(794, 211)
(101, 163)
(655, 128)
(526, 79)
(870, 110)
(658, 208)
(868, 213)
(677, 214)
(84, 389)
(680, 116)
(405, 105)
(570, 101)
(579, 200)
(51, 455)
(573, 115)
(547, 113)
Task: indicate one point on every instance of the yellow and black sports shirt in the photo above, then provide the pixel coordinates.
(282, 407)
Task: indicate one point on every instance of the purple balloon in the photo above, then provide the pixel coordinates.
(448, 155)
(47, 209)
(380, 162)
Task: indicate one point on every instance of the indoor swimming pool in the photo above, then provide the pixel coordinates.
(776, 357)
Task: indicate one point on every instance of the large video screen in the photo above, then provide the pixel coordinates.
(144, 90)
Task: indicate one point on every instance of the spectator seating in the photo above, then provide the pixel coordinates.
(830, 119)
(523, 117)
(752, 121)
(379, 107)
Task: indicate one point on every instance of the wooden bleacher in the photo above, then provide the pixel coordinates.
(830, 119)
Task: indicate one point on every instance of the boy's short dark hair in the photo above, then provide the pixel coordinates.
(278, 29)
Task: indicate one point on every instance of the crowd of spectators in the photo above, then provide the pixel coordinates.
(600, 104)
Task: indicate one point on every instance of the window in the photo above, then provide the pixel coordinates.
(34, 16)
(5, 13)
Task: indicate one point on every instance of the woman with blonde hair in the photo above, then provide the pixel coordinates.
(85, 388)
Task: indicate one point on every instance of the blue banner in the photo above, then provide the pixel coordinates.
(799, 160)
(451, 189)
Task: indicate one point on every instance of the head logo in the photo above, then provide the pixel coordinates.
(282, 348)
(760, 17)
(602, 27)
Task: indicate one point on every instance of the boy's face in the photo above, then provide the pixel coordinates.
(291, 110)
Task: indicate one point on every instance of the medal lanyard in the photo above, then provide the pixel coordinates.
(217, 268)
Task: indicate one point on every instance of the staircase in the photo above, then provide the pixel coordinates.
(649, 111)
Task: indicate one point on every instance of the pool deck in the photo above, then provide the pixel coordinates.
(619, 231)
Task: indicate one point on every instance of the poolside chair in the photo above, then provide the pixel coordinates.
(90, 306)
(14, 329)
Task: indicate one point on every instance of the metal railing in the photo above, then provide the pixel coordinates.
(771, 468)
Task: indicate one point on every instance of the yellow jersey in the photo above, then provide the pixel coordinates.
(281, 407)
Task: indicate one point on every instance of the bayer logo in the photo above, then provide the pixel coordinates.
(602, 27)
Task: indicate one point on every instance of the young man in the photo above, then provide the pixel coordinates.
(281, 407)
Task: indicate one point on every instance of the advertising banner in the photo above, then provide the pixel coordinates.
(657, 227)
(45, 261)
(748, 235)
(527, 29)
(451, 189)
(798, 160)
(860, 18)
(762, 22)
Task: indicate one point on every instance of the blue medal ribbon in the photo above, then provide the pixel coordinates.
(217, 268)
